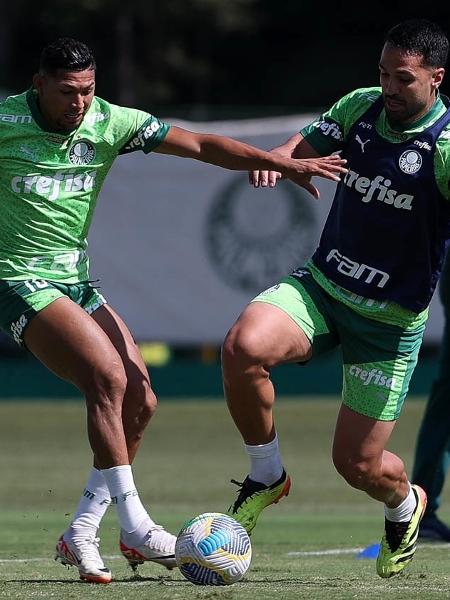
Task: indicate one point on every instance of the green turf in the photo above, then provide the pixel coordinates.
(190, 452)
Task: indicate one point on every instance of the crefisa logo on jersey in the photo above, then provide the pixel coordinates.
(82, 153)
(410, 162)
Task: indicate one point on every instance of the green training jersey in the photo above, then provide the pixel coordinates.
(327, 134)
(50, 182)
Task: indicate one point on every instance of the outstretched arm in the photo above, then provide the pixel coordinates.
(231, 154)
(295, 147)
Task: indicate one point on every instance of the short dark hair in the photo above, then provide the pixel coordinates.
(421, 38)
(66, 54)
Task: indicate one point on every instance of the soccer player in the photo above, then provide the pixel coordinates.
(58, 142)
(366, 288)
(433, 441)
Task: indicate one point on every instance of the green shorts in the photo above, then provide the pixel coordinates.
(378, 358)
(20, 301)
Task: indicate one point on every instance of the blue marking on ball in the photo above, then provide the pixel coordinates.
(213, 542)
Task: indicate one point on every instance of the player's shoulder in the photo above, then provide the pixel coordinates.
(349, 108)
(444, 136)
(443, 146)
(111, 111)
(14, 109)
(445, 133)
(99, 113)
(361, 97)
(112, 118)
(442, 158)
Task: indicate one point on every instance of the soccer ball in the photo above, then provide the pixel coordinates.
(213, 549)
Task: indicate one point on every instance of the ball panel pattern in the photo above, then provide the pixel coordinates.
(213, 549)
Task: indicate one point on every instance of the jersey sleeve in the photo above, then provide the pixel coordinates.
(329, 131)
(147, 137)
(130, 129)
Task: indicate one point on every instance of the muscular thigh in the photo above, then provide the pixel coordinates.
(69, 342)
(301, 319)
(120, 336)
(52, 320)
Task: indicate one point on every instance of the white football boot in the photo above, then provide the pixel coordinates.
(158, 546)
(82, 552)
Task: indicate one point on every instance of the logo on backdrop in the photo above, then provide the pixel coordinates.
(82, 153)
(255, 237)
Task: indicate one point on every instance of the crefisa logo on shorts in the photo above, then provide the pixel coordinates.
(82, 153)
(372, 377)
(17, 328)
(410, 162)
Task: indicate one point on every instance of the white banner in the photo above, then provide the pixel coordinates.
(180, 247)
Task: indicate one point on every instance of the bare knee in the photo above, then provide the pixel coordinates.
(242, 362)
(139, 407)
(358, 472)
(105, 387)
(242, 353)
(148, 405)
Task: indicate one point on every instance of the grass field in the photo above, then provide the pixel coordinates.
(305, 547)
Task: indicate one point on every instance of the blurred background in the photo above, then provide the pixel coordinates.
(178, 247)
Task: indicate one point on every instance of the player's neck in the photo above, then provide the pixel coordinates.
(419, 119)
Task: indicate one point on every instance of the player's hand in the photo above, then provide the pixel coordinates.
(329, 167)
(264, 178)
(300, 172)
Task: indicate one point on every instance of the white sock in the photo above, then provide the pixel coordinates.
(404, 511)
(133, 517)
(265, 462)
(92, 506)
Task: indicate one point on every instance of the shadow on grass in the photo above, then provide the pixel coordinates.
(160, 580)
(183, 582)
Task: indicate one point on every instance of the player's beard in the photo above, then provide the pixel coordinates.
(403, 113)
